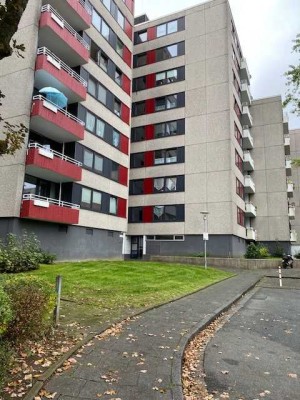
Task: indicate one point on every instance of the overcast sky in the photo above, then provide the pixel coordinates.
(266, 29)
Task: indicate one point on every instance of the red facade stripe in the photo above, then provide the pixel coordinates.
(126, 84)
(127, 56)
(122, 208)
(150, 81)
(123, 175)
(130, 5)
(124, 144)
(151, 33)
(125, 113)
(148, 214)
(149, 158)
(128, 29)
(151, 57)
(148, 186)
(150, 106)
(85, 16)
(149, 132)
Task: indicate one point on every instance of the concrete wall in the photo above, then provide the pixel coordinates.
(295, 154)
(272, 221)
(67, 242)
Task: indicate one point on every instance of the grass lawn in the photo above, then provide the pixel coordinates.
(95, 292)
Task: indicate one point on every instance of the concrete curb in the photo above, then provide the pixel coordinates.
(177, 362)
(38, 385)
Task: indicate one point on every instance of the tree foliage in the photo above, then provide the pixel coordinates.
(10, 14)
(293, 81)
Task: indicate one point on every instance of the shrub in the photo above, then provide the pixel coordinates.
(297, 256)
(5, 311)
(32, 303)
(256, 251)
(278, 250)
(5, 360)
(22, 254)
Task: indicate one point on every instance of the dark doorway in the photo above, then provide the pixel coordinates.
(136, 247)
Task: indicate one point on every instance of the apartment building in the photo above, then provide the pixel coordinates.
(294, 208)
(69, 184)
(174, 93)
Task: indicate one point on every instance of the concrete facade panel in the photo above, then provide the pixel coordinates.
(170, 228)
(156, 118)
(218, 184)
(196, 75)
(157, 199)
(276, 181)
(218, 156)
(196, 130)
(216, 43)
(196, 191)
(216, 17)
(195, 49)
(101, 221)
(277, 204)
(195, 158)
(217, 70)
(11, 188)
(196, 102)
(217, 98)
(195, 24)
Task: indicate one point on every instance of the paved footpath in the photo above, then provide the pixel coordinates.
(143, 362)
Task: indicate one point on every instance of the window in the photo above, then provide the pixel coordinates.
(139, 108)
(137, 160)
(88, 158)
(97, 198)
(240, 216)
(100, 128)
(238, 161)
(141, 37)
(117, 107)
(90, 122)
(140, 59)
(165, 156)
(136, 187)
(163, 78)
(120, 19)
(114, 174)
(139, 83)
(239, 188)
(237, 109)
(135, 214)
(118, 76)
(119, 47)
(107, 4)
(103, 61)
(236, 84)
(166, 184)
(113, 205)
(167, 29)
(86, 197)
(165, 213)
(96, 20)
(238, 135)
(98, 163)
(167, 129)
(138, 134)
(102, 92)
(166, 237)
(92, 87)
(116, 139)
(166, 103)
(167, 52)
(105, 30)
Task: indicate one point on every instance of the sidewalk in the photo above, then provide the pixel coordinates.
(144, 361)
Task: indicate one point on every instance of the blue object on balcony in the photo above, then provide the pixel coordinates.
(55, 96)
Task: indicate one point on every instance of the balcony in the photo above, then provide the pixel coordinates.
(55, 123)
(288, 167)
(247, 119)
(249, 185)
(293, 236)
(248, 163)
(292, 212)
(244, 71)
(52, 71)
(246, 97)
(250, 210)
(290, 189)
(287, 145)
(247, 139)
(50, 165)
(51, 210)
(57, 35)
(76, 12)
(285, 128)
(251, 234)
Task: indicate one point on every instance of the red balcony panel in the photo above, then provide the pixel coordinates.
(125, 113)
(122, 208)
(81, 12)
(150, 106)
(40, 164)
(151, 33)
(151, 57)
(130, 5)
(124, 144)
(127, 56)
(149, 132)
(150, 81)
(54, 35)
(148, 214)
(50, 73)
(53, 213)
(149, 158)
(123, 175)
(128, 29)
(54, 123)
(148, 186)
(126, 84)
(77, 13)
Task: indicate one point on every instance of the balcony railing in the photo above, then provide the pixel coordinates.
(251, 233)
(249, 184)
(247, 139)
(61, 65)
(86, 6)
(51, 153)
(248, 163)
(292, 212)
(293, 236)
(61, 22)
(250, 210)
(45, 202)
(288, 167)
(290, 189)
(246, 97)
(287, 145)
(244, 71)
(247, 119)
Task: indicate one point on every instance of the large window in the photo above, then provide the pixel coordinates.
(165, 77)
(167, 52)
(165, 184)
(166, 102)
(240, 216)
(237, 109)
(164, 156)
(113, 205)
(137, 160)
(238, 135)
(239, 188)
(138, 134)
(238, 161)
(165, 213)
(166, 129)
(140, 59)
(141, 37)
(139, 108)
(167, 29)
(135, 214)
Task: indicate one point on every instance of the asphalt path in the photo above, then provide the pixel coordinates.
(256, 355)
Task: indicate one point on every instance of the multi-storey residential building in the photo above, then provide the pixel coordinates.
(70, 184)
(199, 142)
(293, 144)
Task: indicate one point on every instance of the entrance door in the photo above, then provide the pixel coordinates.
(136, 247)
